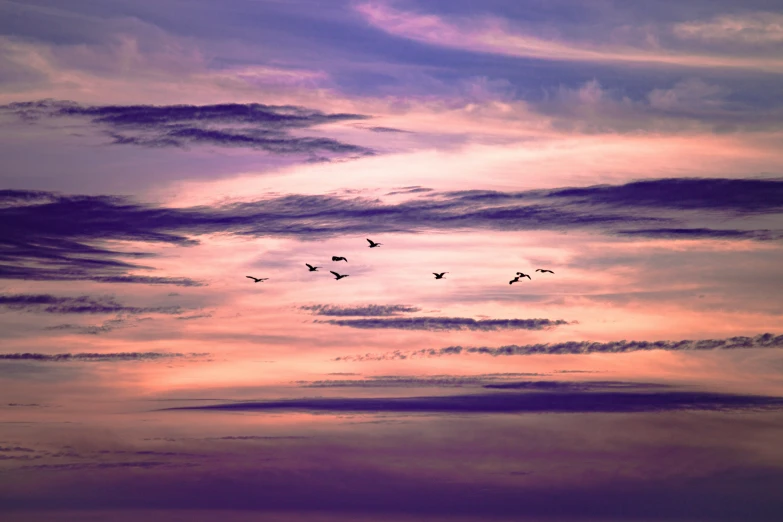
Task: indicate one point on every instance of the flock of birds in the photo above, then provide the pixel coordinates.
(373, 244)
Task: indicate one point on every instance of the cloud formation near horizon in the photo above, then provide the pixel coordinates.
(414, 381)
(505, 402)
(251, 125)
(438, 324)
(766, 340)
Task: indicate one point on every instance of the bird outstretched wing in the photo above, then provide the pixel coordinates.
(335, 273)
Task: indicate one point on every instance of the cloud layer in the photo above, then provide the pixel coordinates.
(766, 340)
(541, 402)
(437, 324)
(665, 208)
(371, 310)
(253, 125)
(83, 304)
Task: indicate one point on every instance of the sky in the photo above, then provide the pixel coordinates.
(157, 153)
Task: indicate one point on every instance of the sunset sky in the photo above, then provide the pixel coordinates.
(155, 153)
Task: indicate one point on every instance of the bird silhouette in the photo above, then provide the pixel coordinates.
(337, 276)
(257, 279)
(373, 244)
(312, 268)
(439, 276)
(520, 274)
(515, 280)
(542, 270)
(338, 258)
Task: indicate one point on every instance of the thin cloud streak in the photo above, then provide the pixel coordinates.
(371, 310)
(84, 304)
(766, 340)
(96, 357)
(410, 381)
(493, 35)
(439, 324)
(504, 402)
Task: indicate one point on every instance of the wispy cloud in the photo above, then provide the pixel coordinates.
(96, 357)
(766, 340)
(498, 36)
(192, 317)
(83, 304)
(541, 402)
(414, 381)
(746, 28)
(371, 310)
(435, 324)
(573, 385)
(105, 327)
(255, 126)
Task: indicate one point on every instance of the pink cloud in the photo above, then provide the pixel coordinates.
(495, 35)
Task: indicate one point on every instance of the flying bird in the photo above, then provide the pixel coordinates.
(439, 276)
(312, 268)
(373, 244)
(542, 270)
(338, 258)
(520, 274)
(515, 280)
(337, 276)
(257, 279)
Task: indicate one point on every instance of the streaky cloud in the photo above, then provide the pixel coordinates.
(436, 324)
(517, 402)
(738, 195)
(83, 304)
(96, 357)
(573, 385)
(42, 246)
(251, 125)
(494, 35)
(370, 310)
(412, 381)
(766, 340)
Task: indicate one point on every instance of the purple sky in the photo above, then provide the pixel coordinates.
(156, 153)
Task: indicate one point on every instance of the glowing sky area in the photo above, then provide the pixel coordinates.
(157, 152)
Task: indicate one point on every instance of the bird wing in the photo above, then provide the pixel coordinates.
(370, 241)
(309, 265)
(335, 273)
(250, 277)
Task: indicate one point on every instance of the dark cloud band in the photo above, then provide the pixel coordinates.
(766, 340)
(42, 246)
(83, 304)
(436, 324)
(519, 402)
(251, 125)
